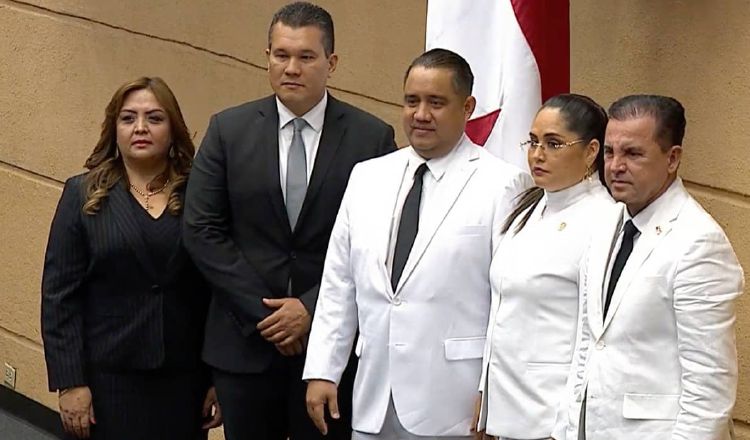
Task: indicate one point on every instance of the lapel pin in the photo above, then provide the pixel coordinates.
(658, 230)
(562, 226)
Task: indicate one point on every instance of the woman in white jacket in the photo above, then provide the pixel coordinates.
(534, 274)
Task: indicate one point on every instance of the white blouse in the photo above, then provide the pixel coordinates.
(534, 317)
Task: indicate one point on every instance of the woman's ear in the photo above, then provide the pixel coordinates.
(592, 150)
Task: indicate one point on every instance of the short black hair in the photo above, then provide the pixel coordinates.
(584, 117)
(463, 79)
(302, 14)
(668, 113)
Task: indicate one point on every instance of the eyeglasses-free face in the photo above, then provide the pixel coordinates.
(298, 67)
(554, 159)
(434, 113)
(143, 128)
(636, 167)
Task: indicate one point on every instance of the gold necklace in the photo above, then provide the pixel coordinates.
(149, 194)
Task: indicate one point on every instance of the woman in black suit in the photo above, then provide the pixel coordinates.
(123, 308)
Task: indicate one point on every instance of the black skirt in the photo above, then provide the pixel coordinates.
(154, 405)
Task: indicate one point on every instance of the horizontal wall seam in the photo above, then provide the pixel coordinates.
(21, 339)
(722, 193)
(215, 53)
(31, 175)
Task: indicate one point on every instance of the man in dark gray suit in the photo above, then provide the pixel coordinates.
(261, 202)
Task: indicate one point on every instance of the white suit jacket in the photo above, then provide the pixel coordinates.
(663, 364)
(533, 325)
(422, 343)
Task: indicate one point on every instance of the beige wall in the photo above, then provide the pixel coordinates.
(61, 60)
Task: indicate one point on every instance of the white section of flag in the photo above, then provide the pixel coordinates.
(487, 34)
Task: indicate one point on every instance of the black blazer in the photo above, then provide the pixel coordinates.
(102, 300)
(236, 226)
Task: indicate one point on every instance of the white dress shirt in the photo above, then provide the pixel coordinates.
(310, 136)
(534, 319)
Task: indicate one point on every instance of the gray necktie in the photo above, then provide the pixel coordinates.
(296, 173)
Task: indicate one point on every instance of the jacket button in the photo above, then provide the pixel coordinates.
(293, 255)
(600, 345)
(396, 301)
(156, 289)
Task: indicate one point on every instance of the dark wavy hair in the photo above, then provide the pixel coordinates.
(105, 163)
(584, 117)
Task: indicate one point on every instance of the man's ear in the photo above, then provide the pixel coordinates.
(673, 159)
(333, 61)
(469, 105)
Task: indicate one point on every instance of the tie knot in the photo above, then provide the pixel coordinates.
(420, 170)
(630, 229)
(299, 124)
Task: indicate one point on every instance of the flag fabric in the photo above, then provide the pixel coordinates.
(519, 51)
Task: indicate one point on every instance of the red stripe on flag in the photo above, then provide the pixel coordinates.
(546, 25)
(479, 129)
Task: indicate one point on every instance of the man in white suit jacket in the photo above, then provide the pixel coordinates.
(656, 356)
(420, 343)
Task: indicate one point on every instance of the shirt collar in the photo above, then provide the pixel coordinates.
(643, 218)
(559, 200)
(314, 117)
(437, 166)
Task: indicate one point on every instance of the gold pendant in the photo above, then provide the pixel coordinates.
(562, 226)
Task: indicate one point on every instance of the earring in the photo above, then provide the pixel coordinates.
(172, 153)
(117, 151)
(588, 174)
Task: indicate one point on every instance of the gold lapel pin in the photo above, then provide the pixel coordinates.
(658, 230)
(562, 226)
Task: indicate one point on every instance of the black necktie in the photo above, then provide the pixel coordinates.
(407, 226)
(622, 257)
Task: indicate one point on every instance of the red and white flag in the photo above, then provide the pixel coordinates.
(519, 52)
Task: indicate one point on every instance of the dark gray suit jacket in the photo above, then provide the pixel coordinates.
(236, 225)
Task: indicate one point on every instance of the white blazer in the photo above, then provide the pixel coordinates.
(532, 328)
(423, 343)
(663, 364)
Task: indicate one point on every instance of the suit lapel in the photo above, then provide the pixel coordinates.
(390, 187)
(268, 144)
(177, 256)
(657, 228)
(596, 268)
(330, 141)
(442, 201)
(124, 217)
(176, 262)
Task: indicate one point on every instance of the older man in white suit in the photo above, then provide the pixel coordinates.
(408, 265)
(656, 356)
